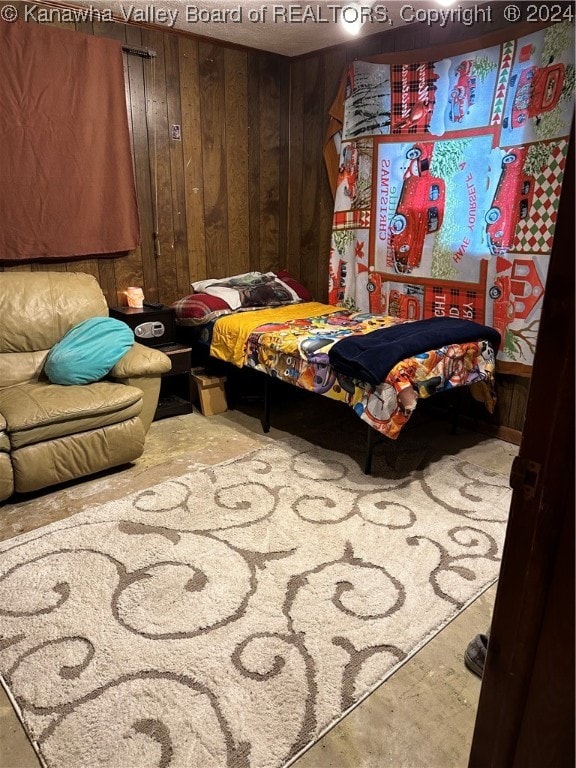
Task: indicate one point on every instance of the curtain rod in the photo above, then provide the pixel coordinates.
(137, 50)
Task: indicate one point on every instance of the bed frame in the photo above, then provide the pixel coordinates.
(373, 437)
(375, 408)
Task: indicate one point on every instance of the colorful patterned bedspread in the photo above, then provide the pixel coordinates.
(296, 351)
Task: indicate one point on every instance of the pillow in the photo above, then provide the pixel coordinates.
(202, 307)
(201, 285)
(88, 351)
(297, 287)
(198, 308)
(252, 290)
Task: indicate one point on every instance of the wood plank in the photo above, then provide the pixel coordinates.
(49, 266)
(407, 38)
(519, 403)
(335, 64)
(295, 170)
(88, 266)
(254, 160)
(237, 130)
(313, 137)
(140, 272)
(365, 47)
(284, 165)
(213, 132)
(10, 267)
(508, 435)
(192, 148)
(182, 282)
(269, 118)
(505, 395)
(159, 144)
(128, 269)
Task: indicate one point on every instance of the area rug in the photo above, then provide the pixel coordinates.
(231, 616)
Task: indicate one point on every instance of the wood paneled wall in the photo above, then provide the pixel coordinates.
(217, 197)
(245, 187)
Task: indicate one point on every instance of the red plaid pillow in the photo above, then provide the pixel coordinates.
(198, 308)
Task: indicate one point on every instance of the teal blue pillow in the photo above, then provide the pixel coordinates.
(88, 351)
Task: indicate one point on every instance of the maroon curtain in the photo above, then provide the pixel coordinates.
(66, 177)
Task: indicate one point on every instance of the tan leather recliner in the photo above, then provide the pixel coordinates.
(51, 433)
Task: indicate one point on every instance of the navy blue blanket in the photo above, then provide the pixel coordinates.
(371, 357)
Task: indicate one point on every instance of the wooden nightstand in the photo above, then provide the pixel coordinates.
(176, 385)
(151, 327)
(155, 328)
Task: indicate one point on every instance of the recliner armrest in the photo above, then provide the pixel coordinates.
(141, 361)
(142, 367)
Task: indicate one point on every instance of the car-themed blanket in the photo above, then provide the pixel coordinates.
(447, 167)
(371, 358)
(230, 333)
(293, 344)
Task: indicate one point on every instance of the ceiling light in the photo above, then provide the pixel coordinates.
(352, 17)
(445, 2)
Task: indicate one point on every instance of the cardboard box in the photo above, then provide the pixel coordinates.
(208, 392)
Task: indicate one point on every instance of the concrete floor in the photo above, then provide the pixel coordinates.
(423, 716)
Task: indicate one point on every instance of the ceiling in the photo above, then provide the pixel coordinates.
(287, 28)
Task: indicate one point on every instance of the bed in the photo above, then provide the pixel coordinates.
(324, 348)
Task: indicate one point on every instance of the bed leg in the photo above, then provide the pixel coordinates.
(266, 414)
(369, 450)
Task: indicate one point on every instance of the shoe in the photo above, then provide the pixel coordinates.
(475, 654)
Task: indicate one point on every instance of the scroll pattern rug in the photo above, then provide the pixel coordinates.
(229, 617)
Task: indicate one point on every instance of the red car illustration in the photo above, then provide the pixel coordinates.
(464, 92)
(400, 304)
(538, 91)
(403, 305)
(420, 209)
(503, 306)
(337, 283)
(374, 288)
(511, 203)
(348, 170)
(515, 296)
(420, 156)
